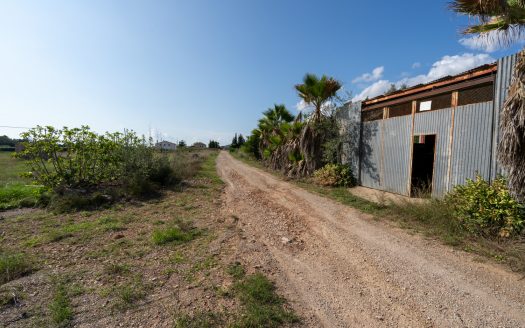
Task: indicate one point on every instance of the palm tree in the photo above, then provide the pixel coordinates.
(317, 91)
(505, 21)
(270, 128)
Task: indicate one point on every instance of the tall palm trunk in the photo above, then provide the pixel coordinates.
(511, 149)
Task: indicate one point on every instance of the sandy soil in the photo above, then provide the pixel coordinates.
(342, 268)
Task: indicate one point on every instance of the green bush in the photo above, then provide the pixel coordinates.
(334, 175)
(487, 209)
(83, 160)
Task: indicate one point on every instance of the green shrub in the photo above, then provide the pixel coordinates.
(487, 209)
(13, 266)
(334, 175)
(79, 159)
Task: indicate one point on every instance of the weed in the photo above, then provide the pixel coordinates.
(111, 224)
(129, 293)
(174, 234)
(263, 307)
(236, 270)
(177, 258)
(116, 269)
(60, 307)
(13, 266)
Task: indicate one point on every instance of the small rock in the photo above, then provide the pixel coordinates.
(285, 240)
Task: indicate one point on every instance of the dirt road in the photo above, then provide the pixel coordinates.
(342, 268)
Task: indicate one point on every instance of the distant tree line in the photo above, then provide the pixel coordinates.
(213, 144)
(8, 144)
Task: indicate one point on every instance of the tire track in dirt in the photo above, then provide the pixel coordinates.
(351, 270)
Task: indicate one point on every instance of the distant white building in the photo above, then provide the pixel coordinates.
(199, 145)
(166, 145)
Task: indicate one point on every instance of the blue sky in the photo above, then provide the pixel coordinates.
(200, 70)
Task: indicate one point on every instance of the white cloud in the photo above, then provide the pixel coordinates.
(373, 90)
(376, 74)
(416, 65)
(480, 43)
(302, 106)
(448, 65)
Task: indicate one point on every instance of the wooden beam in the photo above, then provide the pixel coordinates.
(429, 93)
(410, 156)
(455, 96)
(453, 80)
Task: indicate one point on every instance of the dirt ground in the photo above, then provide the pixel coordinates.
(343, 268)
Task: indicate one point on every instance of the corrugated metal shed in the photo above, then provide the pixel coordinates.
(466, 139)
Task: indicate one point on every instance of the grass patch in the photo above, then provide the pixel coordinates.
(60, 307)
(263, 307)
(236, 270)
(181, 232)
(129, 293)
(117, 269)
(13, 266)
(19, 195)
(11, 168)
(208, 169)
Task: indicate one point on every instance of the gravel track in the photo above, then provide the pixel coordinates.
(342, 268)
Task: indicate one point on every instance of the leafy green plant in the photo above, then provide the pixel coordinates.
(334, 175)
(487, 209)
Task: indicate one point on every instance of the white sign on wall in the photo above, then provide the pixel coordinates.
(425, 106)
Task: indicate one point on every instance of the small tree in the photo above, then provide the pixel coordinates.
(182, 144)
(213, 144)
(234, 143)
(240, 141)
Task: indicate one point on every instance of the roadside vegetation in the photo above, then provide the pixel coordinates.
(139, 259)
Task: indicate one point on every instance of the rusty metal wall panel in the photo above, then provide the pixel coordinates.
(396, 154)
(371, 154)
(471, 148)
(503, 80)
(438, 123)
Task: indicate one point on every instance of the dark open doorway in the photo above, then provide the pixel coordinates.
(423, 165)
